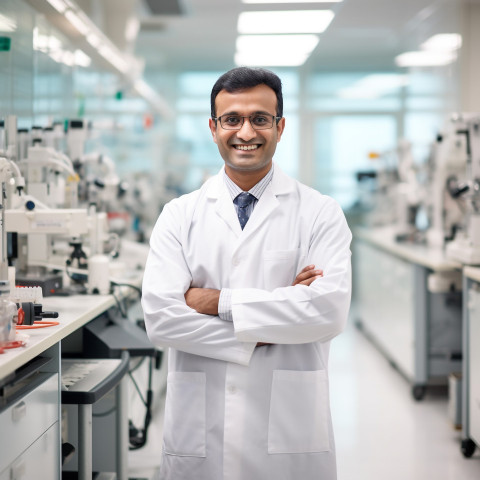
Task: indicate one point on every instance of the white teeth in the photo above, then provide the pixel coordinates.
(246, 147)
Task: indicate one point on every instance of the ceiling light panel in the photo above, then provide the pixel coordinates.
(7, 24)
(292, 1)
(59, 5)
(79, 23)
(269, 59)
(375, 86)
(269, 43)
(425, 58)
(443, 42)
(294, 21)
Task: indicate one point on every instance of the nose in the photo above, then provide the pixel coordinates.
(246, 132)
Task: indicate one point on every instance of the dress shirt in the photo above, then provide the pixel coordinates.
(225, 300)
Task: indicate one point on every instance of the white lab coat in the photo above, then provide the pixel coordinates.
(234, 411)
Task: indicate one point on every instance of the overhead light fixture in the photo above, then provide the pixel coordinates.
(292, 1)
(7, 24)
(111, 56)
(293, 21)
(374, 86)
(425, 58)
(68, 58)
(94, 40)
(268, 43)
(272, 59)
(125, 65)
(81, 59)
(132, 28)
(46, 43)
(59, 5)
(78, 22)
(443, 41)
(256, 50)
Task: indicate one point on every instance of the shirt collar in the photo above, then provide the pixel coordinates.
(257, 190)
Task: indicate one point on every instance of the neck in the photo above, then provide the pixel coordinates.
(246, 179)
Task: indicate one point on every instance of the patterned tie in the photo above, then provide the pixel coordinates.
(243, 200)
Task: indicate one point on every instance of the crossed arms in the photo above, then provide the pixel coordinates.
(306, 312)
(205, 300)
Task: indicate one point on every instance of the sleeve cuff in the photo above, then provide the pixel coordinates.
(225, 305)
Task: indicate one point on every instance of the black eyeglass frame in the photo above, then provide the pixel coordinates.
(243, 117)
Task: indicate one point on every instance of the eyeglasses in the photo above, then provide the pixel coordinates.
(258, 121)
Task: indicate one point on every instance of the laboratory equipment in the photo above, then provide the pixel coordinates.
(446, 167)
(99, 182)
(50, 237)
(466, 245)
(8, 309)
(398, 193)
(409, 192)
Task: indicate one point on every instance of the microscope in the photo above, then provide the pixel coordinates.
(52, 240)
(465, 247)
(447, 170)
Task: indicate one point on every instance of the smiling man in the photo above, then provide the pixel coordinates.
(247, 281)
(247, 143)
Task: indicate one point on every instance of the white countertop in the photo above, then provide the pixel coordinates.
(427, 256)
(73, 312)
(472, 272)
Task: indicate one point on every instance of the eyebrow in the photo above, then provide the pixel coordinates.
(258, 112)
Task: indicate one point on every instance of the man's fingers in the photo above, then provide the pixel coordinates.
(309, 281)
(307, 273)
(308, 267)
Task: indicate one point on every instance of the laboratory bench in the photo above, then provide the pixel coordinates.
(408, 300)
(471, 362)
(31, 388)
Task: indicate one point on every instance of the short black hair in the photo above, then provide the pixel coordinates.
(241, 78)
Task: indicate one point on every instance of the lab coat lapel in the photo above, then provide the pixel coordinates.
(224, 205)
(266, 205)
(280, 185)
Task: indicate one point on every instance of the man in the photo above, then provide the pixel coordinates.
(234, 288)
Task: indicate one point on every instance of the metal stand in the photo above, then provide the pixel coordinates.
(86, 398)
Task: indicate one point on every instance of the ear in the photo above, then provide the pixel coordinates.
(280, 128)
(213, 129)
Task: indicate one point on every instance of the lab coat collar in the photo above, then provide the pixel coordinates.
(281, 184)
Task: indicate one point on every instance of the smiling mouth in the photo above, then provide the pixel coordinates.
(246, 147)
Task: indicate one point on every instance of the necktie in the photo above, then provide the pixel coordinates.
(242, 201)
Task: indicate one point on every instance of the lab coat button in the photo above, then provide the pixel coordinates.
(232, 389)
(236, 261)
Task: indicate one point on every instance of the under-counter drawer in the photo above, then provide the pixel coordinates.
(28, 418)
(40, 460)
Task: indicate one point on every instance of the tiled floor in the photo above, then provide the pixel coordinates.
(381, 432)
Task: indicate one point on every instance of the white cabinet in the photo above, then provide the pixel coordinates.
(474, 362)
(30, 431)
(417, 330)
(471, 370)
(384, 303)
(40, 460)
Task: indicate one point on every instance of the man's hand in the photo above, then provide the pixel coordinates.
(307, 276)
(203, 300)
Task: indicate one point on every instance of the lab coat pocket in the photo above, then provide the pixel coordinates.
(299, 413)
(279, 267)
(185, 414)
